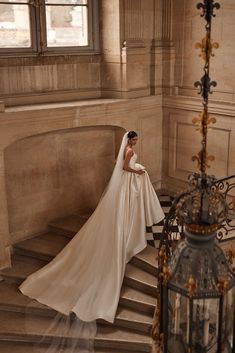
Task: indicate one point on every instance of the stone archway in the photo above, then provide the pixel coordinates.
(56, 174)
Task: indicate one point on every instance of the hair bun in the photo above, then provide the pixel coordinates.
(131, 134)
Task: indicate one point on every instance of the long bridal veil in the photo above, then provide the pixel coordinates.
(67, 333)
(115, 180)
(60, 333)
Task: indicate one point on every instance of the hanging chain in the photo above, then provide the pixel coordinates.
(205, 84)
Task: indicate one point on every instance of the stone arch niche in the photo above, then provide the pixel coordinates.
(57, 174)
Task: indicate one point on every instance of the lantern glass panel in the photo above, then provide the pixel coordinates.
(205, 325)
(177, 322)
(229, 320)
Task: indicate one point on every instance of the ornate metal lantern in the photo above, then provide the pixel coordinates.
(197, 283)
(196, 302)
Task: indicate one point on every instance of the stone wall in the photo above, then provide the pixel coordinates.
(56, 174)
(137, 51)
(188, 28)
(49, 79)
(129, 63)
(180, 139)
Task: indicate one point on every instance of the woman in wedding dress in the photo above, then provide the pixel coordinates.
(86, 276)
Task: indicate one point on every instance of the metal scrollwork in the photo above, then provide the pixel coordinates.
(205, 85)
(208, 7)
(226, 188)
(206, 44)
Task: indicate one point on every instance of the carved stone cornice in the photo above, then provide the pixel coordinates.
(159, 43)
(195, 104)
(134, 43)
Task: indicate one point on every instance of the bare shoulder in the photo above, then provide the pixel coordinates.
(129, 152)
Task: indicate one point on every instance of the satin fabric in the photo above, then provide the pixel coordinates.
(86, 276)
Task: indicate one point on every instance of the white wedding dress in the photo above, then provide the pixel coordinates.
(86, 276)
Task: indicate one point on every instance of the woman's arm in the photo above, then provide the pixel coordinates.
(126, 167)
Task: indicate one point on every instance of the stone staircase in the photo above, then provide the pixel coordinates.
(131, 329)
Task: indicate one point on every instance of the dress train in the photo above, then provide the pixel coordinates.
(86, 276)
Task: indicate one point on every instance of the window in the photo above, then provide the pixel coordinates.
(15, 24)
(48, 26)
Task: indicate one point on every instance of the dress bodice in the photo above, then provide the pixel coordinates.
(133, 161)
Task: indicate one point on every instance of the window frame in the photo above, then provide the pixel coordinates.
(37, 16)
(33, 36)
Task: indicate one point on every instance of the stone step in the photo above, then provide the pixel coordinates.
(28, 347)
(140, 280)
(137, 300)
(146, 260)
(165, 200)
(133, 320)
(123, 339)
(47, 246)
(68, 226)
(126, 318)
(22, 267)
(12, 300)
(30, 328)
(44, 247)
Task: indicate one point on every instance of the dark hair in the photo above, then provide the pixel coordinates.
(131, 134)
